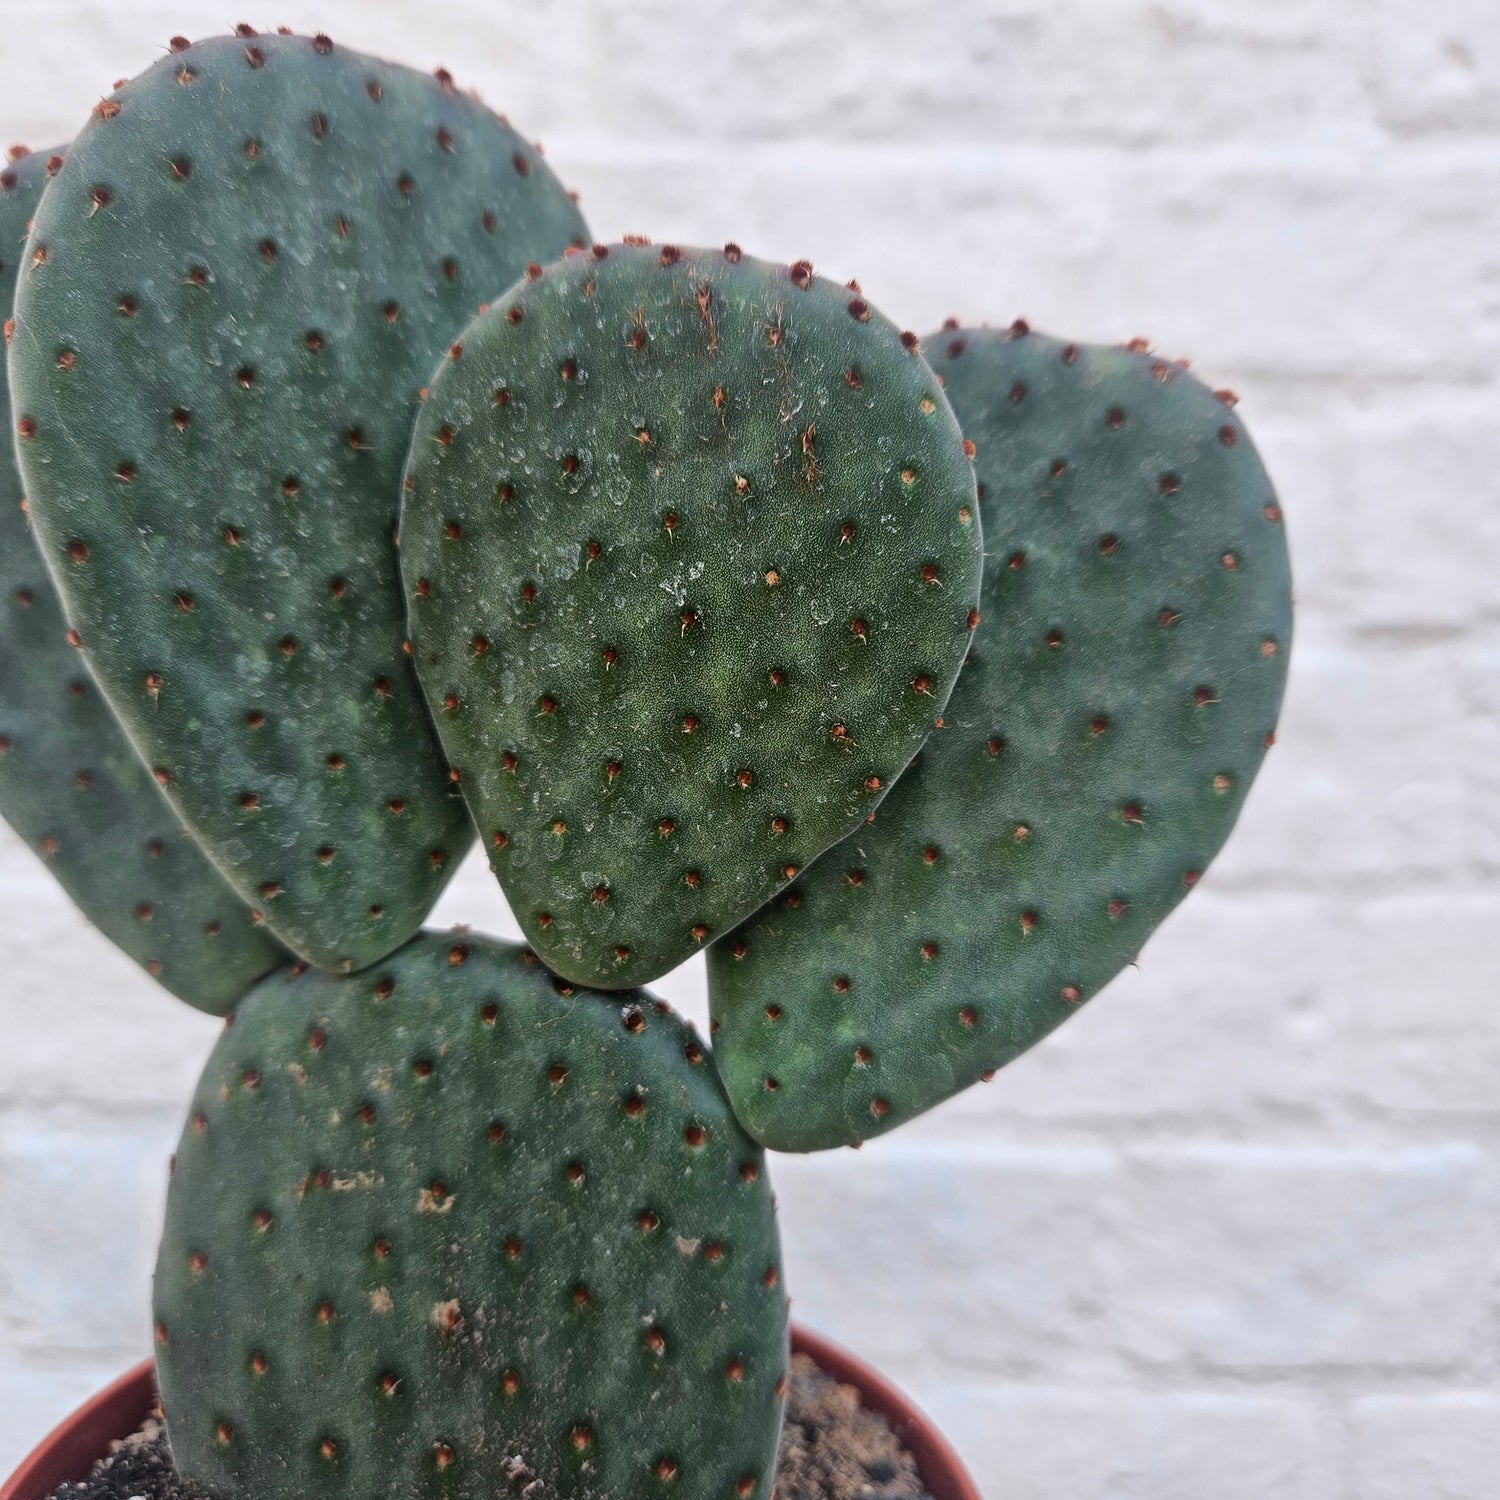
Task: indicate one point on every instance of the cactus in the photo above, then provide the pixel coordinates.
(233, 290)
(70, 783)
(453, 1228)
(692, 561)
(692, 555)
(1096, 751)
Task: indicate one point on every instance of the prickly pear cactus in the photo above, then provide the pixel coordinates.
(70, 783)
(454, 1228)
(1118, 700)
(232, 294)
(692, 555)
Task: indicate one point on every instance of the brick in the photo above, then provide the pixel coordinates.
(1437, 65)
(1041, 1442)
(1316, 264)
(886, 70)
(1233, 1447)
(1145, 72)
(78, 1016)
(1443, 1444)
(82, 1203)
(1128, 73)
(1422, 459)
(1367, 781)
(1257, 1258)
(1411, 1001)
(952, 1262)
(1478, 661)
(1120, 1444)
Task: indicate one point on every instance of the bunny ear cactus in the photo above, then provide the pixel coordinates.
(70, 782)
(1118, 699)
(692, 557)
(454, 1228)
(707, 619)
(233, 292)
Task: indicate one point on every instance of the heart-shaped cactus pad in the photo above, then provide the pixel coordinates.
(692, 557)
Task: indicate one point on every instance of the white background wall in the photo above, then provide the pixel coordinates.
(1232, 1233)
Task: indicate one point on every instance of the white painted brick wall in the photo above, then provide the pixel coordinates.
(1232, 1234)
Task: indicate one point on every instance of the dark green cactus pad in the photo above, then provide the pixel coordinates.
(233, 292)
(691, 549)
(1119, 697)
(70, 783)
(452, 1228)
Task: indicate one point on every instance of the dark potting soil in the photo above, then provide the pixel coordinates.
(832, 1448)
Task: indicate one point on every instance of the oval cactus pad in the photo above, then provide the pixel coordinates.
(70, 782)
(452, 1228)
(1118, 700)
(692, 554)
(232, 294)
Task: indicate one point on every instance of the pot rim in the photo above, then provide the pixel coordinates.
(80, 1439)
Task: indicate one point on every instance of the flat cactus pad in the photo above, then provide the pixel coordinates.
(232, 294)
(1118, 699)
(70, 783)
(692, 556)
(453, 1228)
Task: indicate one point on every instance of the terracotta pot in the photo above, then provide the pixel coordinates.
(70, 1449)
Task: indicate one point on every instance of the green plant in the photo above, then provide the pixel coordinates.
(237, 283)
(70, 784)
(451, 1225)
(1118, 700)
(727, 650)
(692, 557)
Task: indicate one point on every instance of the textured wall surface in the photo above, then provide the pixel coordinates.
(1231, 1234)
